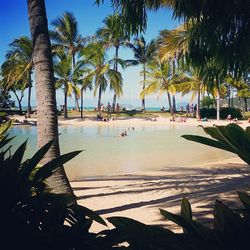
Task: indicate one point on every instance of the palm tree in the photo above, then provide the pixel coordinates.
(86, 83)
(225, 40)
(191, 82)
(66, 36)
(14, 79)
(47, 124)
(21, 50)
(174, 45)
(160, 81)
(66, 76)
(113, 35)
(101, 72)
(143, 53)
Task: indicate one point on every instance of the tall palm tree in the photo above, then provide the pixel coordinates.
(113, 35)
(47, 124)
(143, 53)
(101, 71)
(174, 45)
(21, 50)
(66, 36)
(86, 83)
(66, 76)
(160, 81)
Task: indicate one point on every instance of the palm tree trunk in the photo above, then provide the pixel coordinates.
(19, 100)
(65, 110)
(170, 104)
(174, 103)
(144, 80)
(218, 107)
(198, 111)
(115, 68)
(29, 96)
(245, 102)
(75, 93)
(82, 102)
(47, 124)
(99, 99)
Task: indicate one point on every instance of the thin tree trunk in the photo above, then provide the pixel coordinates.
(29, 96)
(99, 99)
(77, 108)
(19, 102)
(65, 110)
(174, 103)
(144, 80)
(218, 107)
(115, 68)
(170, 104)
(173, 97)
(245, 102)
(229, 95)
(47, 124)
(198, 111)
(82, 102)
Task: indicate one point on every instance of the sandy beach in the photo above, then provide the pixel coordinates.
(136, 122)
(140, 195)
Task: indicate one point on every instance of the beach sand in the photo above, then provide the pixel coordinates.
(139, 196)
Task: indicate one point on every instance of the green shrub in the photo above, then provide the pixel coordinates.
(224, 112)
(31, 216)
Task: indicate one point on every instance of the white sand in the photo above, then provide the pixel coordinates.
(139, 196)
(136, 122)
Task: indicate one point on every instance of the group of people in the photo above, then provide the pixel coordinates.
(230, 119)
(108, 109)
(125, 133)
(191, 109)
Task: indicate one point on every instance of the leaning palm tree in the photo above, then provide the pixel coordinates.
(21, 50)
(113, 35)
(66, 36)
(159, 80)
(101, 71)
(14, 79)
(143, 53)
(47, 123)
(66, 77)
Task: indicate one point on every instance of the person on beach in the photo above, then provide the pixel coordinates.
(109, 110)
(118, 108)
(229, 117)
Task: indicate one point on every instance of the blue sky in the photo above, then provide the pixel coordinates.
(14, 23)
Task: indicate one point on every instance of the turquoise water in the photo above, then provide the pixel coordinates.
(106, 153)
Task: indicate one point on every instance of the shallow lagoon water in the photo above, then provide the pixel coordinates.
(107, 153)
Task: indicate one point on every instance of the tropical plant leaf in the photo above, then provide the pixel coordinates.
(82, 211)
(33, 162)
(231, 138)
(186, 210)
(245, 199)
(49, 168)
(5, 127)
